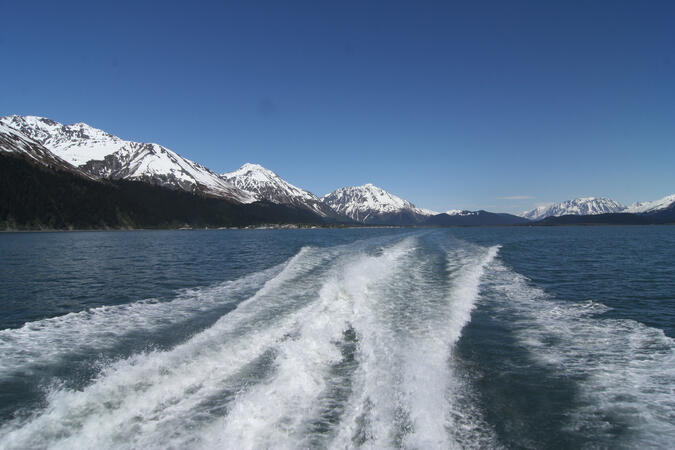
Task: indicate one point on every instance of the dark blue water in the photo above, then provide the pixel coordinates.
(473, 338)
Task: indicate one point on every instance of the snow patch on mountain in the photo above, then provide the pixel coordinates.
(76, 143)
(655, 205)
(106, 156)
(13, 141)
(364, 203)
(578, 206)
(460, 212)
(269, 186)
(426, 212)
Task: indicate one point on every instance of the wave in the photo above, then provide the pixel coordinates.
(48, 340)
(340, 347)
(403, 394)
(624, 369)
(36, 344)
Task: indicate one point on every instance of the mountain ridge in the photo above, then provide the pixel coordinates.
(16, 143)
(96, 154)
(650, 206)
(267, 185)
(583, 206)
(481, 217)
(577, 206)
(34, 196)
(104, 155)
(370, 204)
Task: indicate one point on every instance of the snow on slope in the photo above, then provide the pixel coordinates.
(267, 185)
(461, 212)
(77, 143)
(13, 141)
(104, 155)
(363, 203)
(645, 207)
(578, 206)
(159, 165)
(426, 212)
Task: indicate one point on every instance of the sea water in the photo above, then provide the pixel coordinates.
(355, 338)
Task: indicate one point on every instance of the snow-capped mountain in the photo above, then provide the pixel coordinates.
(76, 143)
(579, 206)
(14, 142)
(371, 204)
(103, 155)
(269, 186)
(647, 207)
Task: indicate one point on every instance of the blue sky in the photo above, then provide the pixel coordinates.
(479, 104)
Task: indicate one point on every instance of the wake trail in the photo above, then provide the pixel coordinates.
(157, 398)
(49, 340)
(279, 413)
(406, 332)
(625, 370)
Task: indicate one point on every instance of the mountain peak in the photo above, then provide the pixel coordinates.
(255, 174)
(103, 155)
(372, 204)
(655, 205)
(76, 143)
(253, 166)
(267, 185)
(14, 142)
(580, 206)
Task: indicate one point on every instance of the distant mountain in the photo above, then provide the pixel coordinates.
(373, 205)
(661, 216)
(89, 155)
(473, 218)
(267, 185)
(461, 212)
(595, 206)
(578, 206)
(106, 156)
(39, 190)
(656, 205)
(35, 196)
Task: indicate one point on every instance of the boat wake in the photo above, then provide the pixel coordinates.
(338, 347)
(356, 345)
(623, 371)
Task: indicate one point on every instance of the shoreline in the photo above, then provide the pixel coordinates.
(324, 227)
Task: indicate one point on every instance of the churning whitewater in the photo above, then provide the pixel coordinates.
(339, 347)
(356, 345)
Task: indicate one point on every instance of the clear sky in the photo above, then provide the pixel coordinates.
(500, 105)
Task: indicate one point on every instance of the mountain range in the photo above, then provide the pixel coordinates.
(586, 206)
(103, 155)
(58, 158)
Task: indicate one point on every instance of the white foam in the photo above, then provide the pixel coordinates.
(625, 369)
(402, 388)
(260, 377)
(157, 399)
(430, 382)
(276, 414)
(159, 389)
(48, 340)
